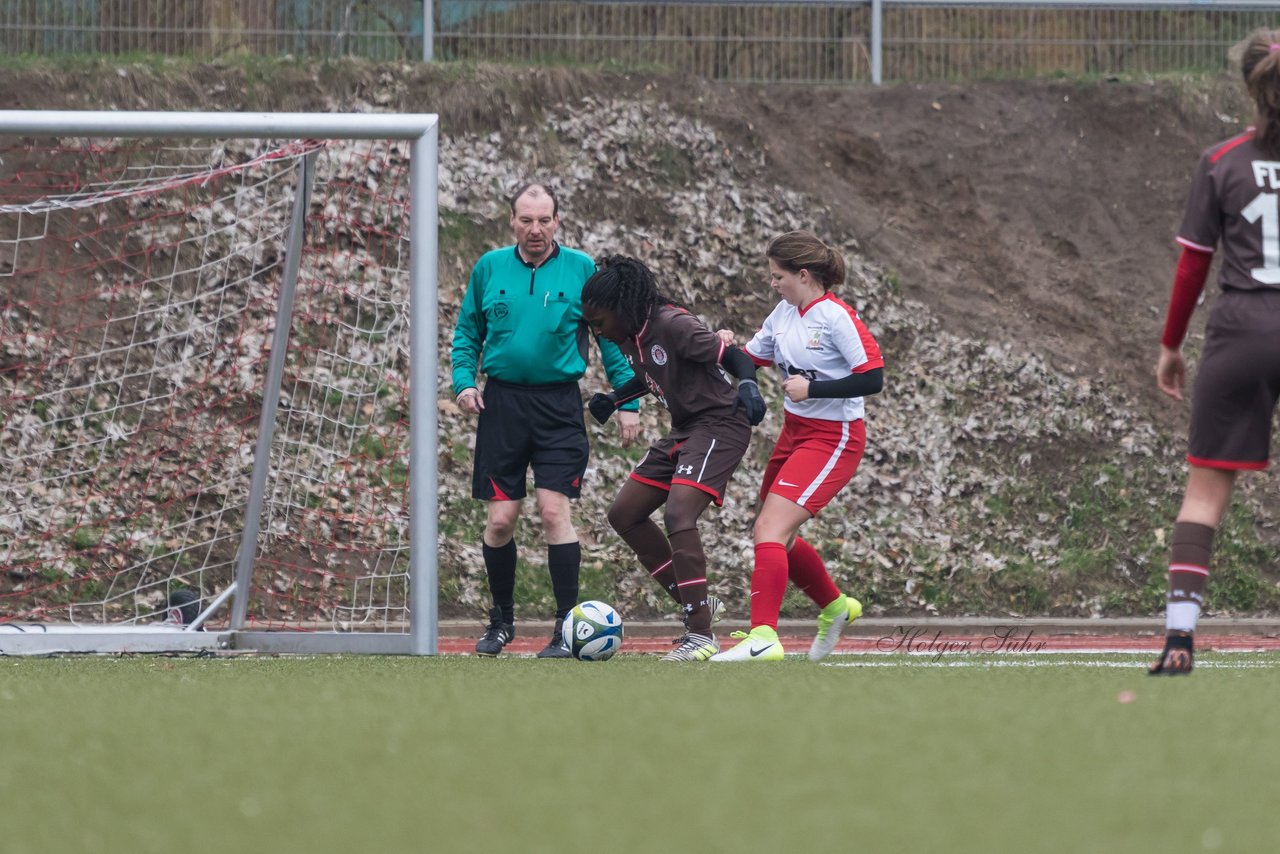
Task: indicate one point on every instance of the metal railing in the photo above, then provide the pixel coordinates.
(842, 41)
(824, 41)
(377, 29)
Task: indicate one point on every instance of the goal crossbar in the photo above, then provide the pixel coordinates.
(409, 126)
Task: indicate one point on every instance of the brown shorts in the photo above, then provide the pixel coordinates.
(1237, 383)
(703, 456)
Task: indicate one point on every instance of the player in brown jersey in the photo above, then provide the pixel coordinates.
(1235, 201)
(710, 390)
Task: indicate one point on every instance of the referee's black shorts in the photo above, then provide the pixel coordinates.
(529, 425)
(1237, 383)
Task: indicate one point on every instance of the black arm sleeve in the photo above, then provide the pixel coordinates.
(630, 390)
(854, 385)
(738, 364)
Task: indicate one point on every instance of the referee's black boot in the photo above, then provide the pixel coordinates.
(496, 636)
(556, 648)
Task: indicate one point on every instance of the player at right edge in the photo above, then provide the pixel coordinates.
(1233, 201)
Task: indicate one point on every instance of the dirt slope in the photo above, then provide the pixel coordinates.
(1040, 212)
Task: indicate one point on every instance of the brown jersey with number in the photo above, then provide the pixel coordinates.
(1234, 198)
(678, 358)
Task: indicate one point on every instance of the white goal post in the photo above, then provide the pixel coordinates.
(208, 435)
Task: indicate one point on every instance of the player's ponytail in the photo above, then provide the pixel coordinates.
(836, 272)
(1260, 65)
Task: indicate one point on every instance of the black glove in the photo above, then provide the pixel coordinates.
(750, 400)
(601, 406)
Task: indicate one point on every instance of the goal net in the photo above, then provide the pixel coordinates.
(207, 324)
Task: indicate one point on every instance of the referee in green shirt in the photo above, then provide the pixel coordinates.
(522, 313)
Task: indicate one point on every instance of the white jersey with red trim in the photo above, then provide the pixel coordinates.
(825, 340)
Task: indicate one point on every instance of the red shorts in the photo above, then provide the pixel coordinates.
(813, 460)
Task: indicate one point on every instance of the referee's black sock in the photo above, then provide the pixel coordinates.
(500, 564)
(564, 561)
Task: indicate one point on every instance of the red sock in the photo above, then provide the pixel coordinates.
(768, 584)
(809, 573)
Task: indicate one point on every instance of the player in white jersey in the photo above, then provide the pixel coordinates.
(829, 362)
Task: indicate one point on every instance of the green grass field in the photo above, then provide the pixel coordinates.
(877, 753)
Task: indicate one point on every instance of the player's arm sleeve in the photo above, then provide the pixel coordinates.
(630, 392)
(468, 335)
(617, 369)
(739, 364)
(1188, 283)
(854, 385)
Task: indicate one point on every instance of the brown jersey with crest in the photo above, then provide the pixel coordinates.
(678, 358)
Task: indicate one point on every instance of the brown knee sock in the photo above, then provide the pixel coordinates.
(690, 564)
(1188, 572)
(654, 552)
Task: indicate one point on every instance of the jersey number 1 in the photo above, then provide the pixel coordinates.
(1264, 207)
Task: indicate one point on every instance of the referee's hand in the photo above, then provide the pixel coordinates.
(469, 400)
(628, 427)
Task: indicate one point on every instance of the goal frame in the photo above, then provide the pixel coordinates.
(421, 131)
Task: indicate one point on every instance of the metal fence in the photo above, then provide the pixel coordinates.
(866, 41)
(378, 29)
(833, 41)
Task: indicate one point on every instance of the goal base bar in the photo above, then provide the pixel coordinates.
(44, 639)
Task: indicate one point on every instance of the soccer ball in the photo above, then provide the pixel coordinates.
(592, 631)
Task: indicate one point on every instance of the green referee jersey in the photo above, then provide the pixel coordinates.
(527, 322)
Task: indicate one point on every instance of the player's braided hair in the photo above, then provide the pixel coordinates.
(625, 286)
(1260, 63)
(802, 250)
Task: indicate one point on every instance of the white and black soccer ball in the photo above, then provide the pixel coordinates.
(592, 631)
